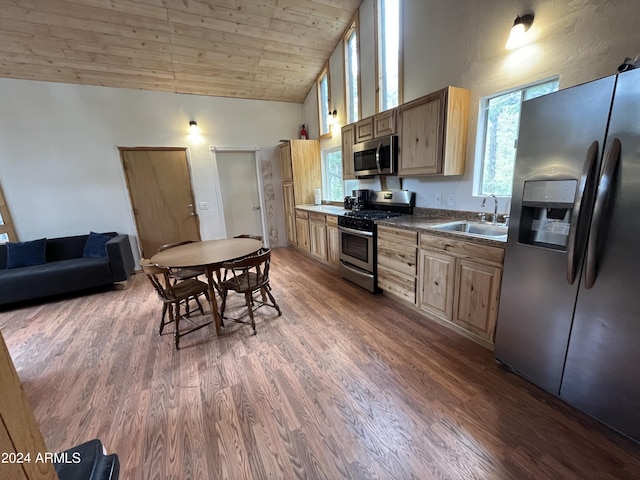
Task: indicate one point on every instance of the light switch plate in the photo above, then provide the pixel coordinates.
(451, 200)
(203, 205)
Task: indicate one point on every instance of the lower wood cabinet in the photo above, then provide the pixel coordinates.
(302, 231)
(476, 297)
(318, 235)
(459, 284)
(397, 260)
(436, 284)
(333, 240)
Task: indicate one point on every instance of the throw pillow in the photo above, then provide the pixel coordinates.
(95, 247)
(24, 254)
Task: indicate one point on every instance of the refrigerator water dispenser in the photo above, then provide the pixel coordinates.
(547, 206)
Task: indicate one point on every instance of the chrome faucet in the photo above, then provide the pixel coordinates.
(495, 209)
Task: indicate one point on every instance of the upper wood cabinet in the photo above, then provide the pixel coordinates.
(286, 163)
(379, 125)
(433, 133)
(348, 139)
(384, 123)
(364, 130)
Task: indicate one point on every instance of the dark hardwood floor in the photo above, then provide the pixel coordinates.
(344, 384)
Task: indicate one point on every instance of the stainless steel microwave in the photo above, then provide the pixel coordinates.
(376, 157)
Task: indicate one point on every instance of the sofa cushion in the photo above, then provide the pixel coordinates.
(24, 254)
(53, 278)
(95, 246)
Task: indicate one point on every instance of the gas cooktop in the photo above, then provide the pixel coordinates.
(372, 214)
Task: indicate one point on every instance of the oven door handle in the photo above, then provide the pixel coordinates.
(355, 232)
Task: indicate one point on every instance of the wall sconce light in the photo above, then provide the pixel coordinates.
(332, 118)
(193, 127)
(517, 36)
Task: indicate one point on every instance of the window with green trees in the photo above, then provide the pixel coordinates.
(334, 187)
(499, 129)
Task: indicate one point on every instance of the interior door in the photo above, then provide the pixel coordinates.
(240, 194)
(160, 189)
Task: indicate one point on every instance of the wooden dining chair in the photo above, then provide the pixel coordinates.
(248, 276)
(224, 275)
(178, 274)
(174, 295)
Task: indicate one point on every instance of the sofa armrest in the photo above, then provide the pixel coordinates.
(120, 257)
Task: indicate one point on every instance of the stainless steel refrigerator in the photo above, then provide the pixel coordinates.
(569, 318)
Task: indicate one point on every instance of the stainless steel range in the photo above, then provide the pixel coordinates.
(358, 234)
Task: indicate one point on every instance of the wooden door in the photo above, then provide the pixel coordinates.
(160, 190)
(436, 283)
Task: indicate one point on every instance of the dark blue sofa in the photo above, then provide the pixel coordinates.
(66, 270)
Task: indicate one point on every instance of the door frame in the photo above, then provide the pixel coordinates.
(256, 153)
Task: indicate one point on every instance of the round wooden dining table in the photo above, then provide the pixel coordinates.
(210, 254)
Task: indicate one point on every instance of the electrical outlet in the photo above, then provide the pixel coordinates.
(437, 199)
(451, 200)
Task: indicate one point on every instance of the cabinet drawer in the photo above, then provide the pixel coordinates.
(302, 214)
(479, 253)
(399, 257)
(316, 217)
(398, 284)
(332, 220)
(397, 235)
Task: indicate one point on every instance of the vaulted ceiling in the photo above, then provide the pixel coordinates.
(261, 49)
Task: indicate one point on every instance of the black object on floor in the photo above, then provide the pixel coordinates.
(87, 462)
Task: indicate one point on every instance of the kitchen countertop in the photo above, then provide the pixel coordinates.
(416, 223)
(425, 224)
(327, 209)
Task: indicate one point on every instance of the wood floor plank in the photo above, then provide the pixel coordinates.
(345, 384)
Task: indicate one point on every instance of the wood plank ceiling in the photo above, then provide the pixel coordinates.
(261, 49)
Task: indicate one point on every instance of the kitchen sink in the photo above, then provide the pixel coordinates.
(487, 230)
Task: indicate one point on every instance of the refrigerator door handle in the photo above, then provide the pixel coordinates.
(602, 201)
(585, 193)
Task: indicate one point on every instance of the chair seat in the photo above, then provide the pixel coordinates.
(245, 282)
(185, 273)
(188, 288)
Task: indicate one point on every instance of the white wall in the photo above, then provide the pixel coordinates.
(60, 167)
(461, 43)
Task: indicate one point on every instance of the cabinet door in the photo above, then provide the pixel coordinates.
(318, 240)
(289, 202)
(302, 234)
(384, 123)
(476, 299)
(421, 135)
(348, 137)
(364, 130)
(333, 245)
(285, 162)
(436, 283)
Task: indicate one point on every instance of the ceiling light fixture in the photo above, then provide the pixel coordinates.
(517, 36)
(193, 126)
